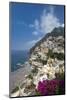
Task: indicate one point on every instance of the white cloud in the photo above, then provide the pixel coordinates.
(49, 21)
(62, 25)
(31, 25)
(35, 33)
(22, 23)
(36, 24)
(31, 43)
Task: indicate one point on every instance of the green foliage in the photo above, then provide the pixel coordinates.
(44, 62)
(15, 89)
(59, 56)
(50, 54)
(30, 76)
(57, 90)
(35, 70)
(37, 93)
(60, 76)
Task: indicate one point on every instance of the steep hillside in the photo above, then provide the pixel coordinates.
(55, 33)
(47, 66)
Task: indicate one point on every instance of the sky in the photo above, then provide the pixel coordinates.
(30, 22)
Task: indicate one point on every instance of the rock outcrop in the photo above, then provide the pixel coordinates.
(46, 61)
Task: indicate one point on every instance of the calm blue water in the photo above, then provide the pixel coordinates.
(18, 57)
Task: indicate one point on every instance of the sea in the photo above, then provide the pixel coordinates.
(18, 58)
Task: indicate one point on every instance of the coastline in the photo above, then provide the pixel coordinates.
(18, 76)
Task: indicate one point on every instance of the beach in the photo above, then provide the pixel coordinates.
(17, 76)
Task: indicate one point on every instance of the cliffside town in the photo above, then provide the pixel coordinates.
(46, 62)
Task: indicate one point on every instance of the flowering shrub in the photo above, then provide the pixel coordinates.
(50, 87)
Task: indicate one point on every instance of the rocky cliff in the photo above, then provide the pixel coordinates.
(46, 62)
(55, 33)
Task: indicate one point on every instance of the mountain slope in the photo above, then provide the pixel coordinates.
(46, 63)
(55, 33)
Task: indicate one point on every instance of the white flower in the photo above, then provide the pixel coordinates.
(44, 77)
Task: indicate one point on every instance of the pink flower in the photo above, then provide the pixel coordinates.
(49, 87)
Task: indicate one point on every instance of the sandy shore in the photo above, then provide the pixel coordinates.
(17, 77)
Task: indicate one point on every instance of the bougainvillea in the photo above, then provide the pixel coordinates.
(50, 87)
